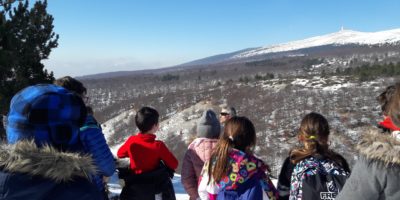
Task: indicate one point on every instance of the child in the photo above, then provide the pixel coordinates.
(145, 154)
(314, 161)
(233, 172)
(199, 151)
(91, 137)
(376, 174)
(386, 124)
(40, 161)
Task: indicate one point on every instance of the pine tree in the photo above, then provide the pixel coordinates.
(26, 38)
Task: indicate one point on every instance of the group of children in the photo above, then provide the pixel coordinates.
(50, 135)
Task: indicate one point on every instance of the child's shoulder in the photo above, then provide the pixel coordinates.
(131, 138)
(159, 143)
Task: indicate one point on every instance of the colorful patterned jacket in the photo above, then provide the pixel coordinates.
(246, 179)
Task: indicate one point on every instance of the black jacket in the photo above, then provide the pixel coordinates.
(284, 179)
(145, 186)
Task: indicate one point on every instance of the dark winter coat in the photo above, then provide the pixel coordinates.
(376, 175)
(146, 185)
(284, 179)
(29, 172)
(93, 142)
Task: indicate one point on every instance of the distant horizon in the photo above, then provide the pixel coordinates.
(160, 68)
(100, 37)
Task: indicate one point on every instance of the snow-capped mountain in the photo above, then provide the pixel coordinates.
(343, 37)
(294, 48)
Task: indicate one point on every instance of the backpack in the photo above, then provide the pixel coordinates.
(317, 179)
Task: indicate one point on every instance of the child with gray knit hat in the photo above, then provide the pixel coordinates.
(199, 151)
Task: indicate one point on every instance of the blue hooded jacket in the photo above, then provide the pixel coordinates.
(42, 160)
(94, 143)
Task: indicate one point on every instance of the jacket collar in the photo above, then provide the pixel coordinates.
(196, 142)
(26, 157)
(146, 136)
(380, 147)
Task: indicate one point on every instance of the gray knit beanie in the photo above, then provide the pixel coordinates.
(208, 125)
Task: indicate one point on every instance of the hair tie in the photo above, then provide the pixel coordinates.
(313, 137)
(231, 138)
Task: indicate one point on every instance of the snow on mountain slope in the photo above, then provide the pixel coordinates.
(180, 122)
(343, 37)
(114, 125)
(184, 121)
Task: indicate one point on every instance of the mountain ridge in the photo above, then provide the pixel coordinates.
(341, 39)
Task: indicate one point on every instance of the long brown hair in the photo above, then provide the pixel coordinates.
(239, 133)
(393, 108)
(385, 97)
(314, 134)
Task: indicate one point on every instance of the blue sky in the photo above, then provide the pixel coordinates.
(101, 36)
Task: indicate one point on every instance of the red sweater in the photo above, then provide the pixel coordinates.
(145, 153)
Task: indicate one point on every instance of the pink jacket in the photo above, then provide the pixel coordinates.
(198, 152)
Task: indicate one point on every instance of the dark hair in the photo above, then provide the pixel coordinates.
(314, 133)
(385, 97)
(89, 110)
(71, 84)
(393, 107)
(146, 118)
(239, 133)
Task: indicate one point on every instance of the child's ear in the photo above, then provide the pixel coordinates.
(156, 126)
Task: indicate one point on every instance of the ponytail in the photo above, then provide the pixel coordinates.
(218, 165)
(312, 146)
(313, 133)
(239, 133)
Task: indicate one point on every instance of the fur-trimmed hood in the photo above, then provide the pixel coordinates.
(26, 157)
(376, 146)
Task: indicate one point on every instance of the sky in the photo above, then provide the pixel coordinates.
(99, 36)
